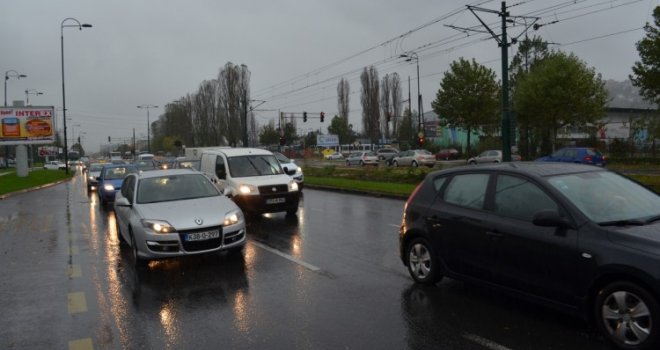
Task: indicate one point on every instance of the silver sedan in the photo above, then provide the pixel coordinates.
(168, 213)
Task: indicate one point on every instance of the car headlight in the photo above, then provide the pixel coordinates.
(233, 218)
(298, 171)
(247, 189)
(158, 226)
(91, 178)
(293, 186)
(108, 187)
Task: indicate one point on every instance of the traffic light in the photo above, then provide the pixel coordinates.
(304, 117)
(282, 141)
(322, 116)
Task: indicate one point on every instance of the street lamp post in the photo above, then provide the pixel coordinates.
(148, 125)
(29, 92)
(409, 57)
(62, 26)
(11, 74)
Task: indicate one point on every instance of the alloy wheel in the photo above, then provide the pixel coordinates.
(626, 317)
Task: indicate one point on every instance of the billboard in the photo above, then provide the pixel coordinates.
(327, 140)
(26, 125)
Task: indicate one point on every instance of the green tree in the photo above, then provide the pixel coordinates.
(407, 128)
(269, 135)
(468, 98)
(339, 126)
(290, 132)
(560, 90)
(646, 73)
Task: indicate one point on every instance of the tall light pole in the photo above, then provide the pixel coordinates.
(409, 57)
(62, 26)
(11, 74)
(29, 92)
(148, 125)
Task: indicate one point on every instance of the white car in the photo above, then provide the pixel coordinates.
(362, 158)
(334, 156)
(414, 158)
(177, 212)
(291, 168)
(55, 165)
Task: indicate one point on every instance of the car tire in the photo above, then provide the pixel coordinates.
(414, 164)
(361, 163)
(348, 163)
(236, 251)
(292, 211)
(137, 260)
(640, 316)
(472, 162)
(422, 262)
(395, 164)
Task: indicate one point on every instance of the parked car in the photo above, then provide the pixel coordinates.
(414, 158)
(334, 156)
(54, 165)
(93, 172)
(291, 168)
(362, 158)
(447, 154)
(491, 156)
(570, 235)
(386, 153)
(584, 155)
(186, 163)
(110, 180)
(168, 213)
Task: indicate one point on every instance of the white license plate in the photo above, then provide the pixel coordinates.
(201, 236)
(275, 200)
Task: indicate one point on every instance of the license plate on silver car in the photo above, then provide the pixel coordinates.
(275, 200)
(202, 236)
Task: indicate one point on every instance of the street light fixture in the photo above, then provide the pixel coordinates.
(62, 26)
(148, 125)
(410, 57)
(29, 92)
(11, 74)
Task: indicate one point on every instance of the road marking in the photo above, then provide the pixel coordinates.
(74, 271)
(484, 342)
(81, 344)
(393, 225)
(77, 302)
(287, 256)
(73, 250)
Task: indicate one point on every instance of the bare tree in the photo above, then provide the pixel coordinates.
(370, 103)
(395, 93)
(385, 104)
(343, 92)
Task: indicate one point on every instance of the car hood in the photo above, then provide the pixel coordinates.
(183, 214)
(644, 238)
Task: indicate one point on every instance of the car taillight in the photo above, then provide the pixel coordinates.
(587, 159)
(412, 195)
(603, 158)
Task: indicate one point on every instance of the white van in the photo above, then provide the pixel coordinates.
(252, 178)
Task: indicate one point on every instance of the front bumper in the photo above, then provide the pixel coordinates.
(268, 203)
(157, 246)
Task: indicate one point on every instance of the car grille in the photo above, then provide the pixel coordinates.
(269, 189)
(201, 245)
(233, 237)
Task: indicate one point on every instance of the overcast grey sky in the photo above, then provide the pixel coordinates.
(155, 51)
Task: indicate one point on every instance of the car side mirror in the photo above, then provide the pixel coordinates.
(122, 202)
(550, 218)
(98, 178)
(289, 172)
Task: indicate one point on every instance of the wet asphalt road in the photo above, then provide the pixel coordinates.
(328, 279)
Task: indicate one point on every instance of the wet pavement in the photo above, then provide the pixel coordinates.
(329, 278)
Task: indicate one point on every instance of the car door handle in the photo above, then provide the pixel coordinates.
(494, 234)
(465, 218)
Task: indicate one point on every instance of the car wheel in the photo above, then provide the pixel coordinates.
(472, 162)
(395, 163)
(496, 161)
(628, 316)
(361, 163)
(348, 163)
(137, 260)
(414, 164)
(422, 262)
(236, 251)
(292, 211)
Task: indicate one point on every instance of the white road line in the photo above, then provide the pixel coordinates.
(287, 256)
(393, 225)
(484, 342)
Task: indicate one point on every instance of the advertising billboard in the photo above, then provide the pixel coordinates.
(327, 140)
(26, 125)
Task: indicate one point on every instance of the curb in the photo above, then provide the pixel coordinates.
(11, 194)
(364, 193)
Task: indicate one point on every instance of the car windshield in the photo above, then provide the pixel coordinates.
(145, 165)
(260, 165)
(174, 188)
(95, 167)
(282, 158)
(118, 172)
(423, 151)
(606, 197)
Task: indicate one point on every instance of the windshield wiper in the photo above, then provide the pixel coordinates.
(629, 222)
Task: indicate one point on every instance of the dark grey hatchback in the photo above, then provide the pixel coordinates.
(574, 236)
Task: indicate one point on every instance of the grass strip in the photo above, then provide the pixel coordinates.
(37, 177)
(362, 185)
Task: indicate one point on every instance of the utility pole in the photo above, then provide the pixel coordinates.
(504, 44)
